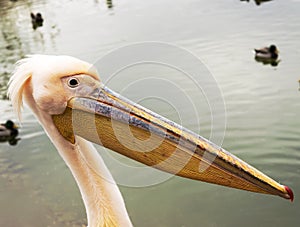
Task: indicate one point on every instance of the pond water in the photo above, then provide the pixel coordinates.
(261, 102)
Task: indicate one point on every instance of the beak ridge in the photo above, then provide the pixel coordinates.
(129, 129)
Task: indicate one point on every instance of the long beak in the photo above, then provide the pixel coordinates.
(106, 118)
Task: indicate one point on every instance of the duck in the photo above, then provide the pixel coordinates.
(270, 52)
(8, 132)
(109, 4)
(9, 128)
(258, 2)
(36, 20)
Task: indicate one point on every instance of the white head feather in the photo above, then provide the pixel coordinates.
(41, 70)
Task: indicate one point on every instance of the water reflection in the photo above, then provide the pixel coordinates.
(11, 46)
(17, 37)
(11, 141)
(257, 2)
(261, 118)
(270, 61)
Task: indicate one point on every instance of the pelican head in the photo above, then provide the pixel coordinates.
(73, 106)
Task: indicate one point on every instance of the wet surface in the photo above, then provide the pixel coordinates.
(262, 106)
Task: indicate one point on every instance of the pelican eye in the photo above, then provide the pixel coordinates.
(73, 82)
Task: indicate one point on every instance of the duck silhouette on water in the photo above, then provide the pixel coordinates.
(9, 132)
(36, 20)
(257, 2)
(267, 55)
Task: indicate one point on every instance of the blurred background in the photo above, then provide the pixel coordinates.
(261, 101)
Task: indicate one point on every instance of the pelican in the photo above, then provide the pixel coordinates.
(75, 109)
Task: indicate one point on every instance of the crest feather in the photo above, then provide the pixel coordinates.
(17, 82)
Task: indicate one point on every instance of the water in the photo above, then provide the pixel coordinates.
(262, 104)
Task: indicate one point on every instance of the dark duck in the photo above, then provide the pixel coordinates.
(36, 20)
(9, 132)
(270, 52)
(267, 55)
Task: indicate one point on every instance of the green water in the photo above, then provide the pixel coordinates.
(261, 101)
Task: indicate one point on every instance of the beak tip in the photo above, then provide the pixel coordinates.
(290, 193)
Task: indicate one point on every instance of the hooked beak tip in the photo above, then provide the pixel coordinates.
(290, 193)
